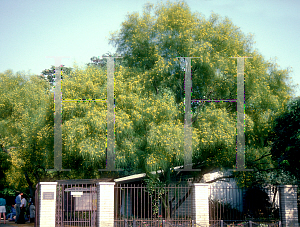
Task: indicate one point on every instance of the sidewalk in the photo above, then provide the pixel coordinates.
(13, 224)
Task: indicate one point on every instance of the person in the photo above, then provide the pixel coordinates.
(22, 210)
(31, 212)
(17, 206)
(12, 213)
(2, 208)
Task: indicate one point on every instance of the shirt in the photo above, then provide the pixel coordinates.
(23, 202)
(2, 202)
(18, 199)
(32, 211)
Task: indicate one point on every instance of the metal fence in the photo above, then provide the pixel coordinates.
(138, 205)
(222, 223)
(167, 205)
(76, 205)
(37, 206)
(298, 203)
(239, 205)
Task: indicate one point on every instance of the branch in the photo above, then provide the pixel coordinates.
(266, 170)
(28, 180)
(219, 178)
(3, 148)
(262, 157)
(201, 105)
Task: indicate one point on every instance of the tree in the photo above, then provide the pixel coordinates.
(150, 44)
(49, 74)
(5, 165)
(97, 61)
(285, 138)
(25, 127)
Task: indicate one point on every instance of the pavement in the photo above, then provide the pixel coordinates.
(13, 224)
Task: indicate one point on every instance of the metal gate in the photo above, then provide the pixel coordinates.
(76, 203)
(137, 205)
(37, 206)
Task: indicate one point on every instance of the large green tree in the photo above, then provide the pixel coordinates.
(26, 126)
(150, 44)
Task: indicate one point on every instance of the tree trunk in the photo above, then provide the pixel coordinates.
(29, 182)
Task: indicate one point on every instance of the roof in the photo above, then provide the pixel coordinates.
(139, 176)
(84, 181)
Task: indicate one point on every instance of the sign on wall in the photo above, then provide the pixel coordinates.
(87, 201)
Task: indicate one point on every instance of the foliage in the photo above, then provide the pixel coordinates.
(101, 62)
(49, 74)
(150, 44)
(25, 126)
(5, 164)
(285, 138)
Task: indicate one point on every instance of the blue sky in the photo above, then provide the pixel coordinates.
(32, 30)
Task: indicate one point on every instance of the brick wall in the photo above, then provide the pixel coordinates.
(47, 204)
(288, 205)
(105, 202)
(200, 204)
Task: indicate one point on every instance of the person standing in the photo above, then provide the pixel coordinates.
(17, 206)
(2, 208)
(32, 212)
(22, 210)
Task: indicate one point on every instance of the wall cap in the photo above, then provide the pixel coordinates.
(106, 183)
(49, 183)
(200, 184)
(287, 186)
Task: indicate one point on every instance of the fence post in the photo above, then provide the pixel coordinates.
(250, 223)
(134, 223)
(288, 205)
(47, 204)
(193, 223)
(222, 224)
(163, 223)
(105, 204)
(200, 209)
(279, 224)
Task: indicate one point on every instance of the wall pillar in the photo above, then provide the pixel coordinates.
(105, 204)
(47, 204)
(200, 204)
(288, 205)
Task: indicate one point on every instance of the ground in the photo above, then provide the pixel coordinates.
(13, 224)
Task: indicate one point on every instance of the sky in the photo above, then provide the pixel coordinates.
(30, 31)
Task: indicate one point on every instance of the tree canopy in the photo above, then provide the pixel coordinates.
(150, 44)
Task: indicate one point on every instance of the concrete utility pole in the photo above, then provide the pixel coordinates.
(110, 152)
(240, 149)
(240, 154)
(110, 165)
